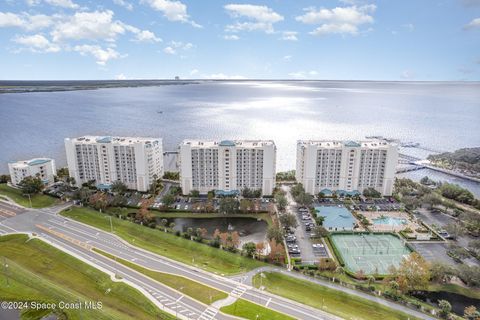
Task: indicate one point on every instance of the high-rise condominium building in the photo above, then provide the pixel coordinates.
(134, 161)
(227, 166)
(347, 167)
(43, 168)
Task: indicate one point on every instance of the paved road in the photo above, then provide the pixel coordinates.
(48, 225)
(29, 222)
(303, 238)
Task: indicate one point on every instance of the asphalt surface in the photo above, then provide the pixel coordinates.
(76, 238)
(51, 225)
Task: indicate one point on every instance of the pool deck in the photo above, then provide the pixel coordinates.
(372, 215)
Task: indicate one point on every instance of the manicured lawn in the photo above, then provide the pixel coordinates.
(333, 301)
(189, 287)
(167, 244)
(39, 272)
(38, 200)
(454, 288)
(248, 310)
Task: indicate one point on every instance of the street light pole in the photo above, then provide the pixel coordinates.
(111, 224)
(30, 200)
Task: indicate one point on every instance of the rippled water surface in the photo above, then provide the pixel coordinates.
(442, 116)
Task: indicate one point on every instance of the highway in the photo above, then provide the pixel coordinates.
(77, 239)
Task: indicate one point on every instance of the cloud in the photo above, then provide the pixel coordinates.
(26, 21)
(287, 58)
(175, 46)
(409, 26)
(407, 75)
(123, 3)
(303, 74)
(231, 37)
(89, 25)
(120, 76)
(37, 43)
(102, 56)
(475, 23)
(258, 18)
(172, 10)
(194, 72)
(222, 76)
(146, 36)
(289, 36)
(339, 20)
(69, 4)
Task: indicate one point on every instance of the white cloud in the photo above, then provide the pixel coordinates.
(101, 55)
(222, 76)
(287, 58)
(194, 72)
(261, 18)
(172, 10)
(120, 76)
(123, 3)
(409, 26)
(37, 43)
(231, 37)
(289, 35)
(146, 36)
(175, 46)
(69, 4)
(26, 21)
(89, 25)
(169, 50)
(339, 20)
(475, 23)
(303, 74)
(407, 74)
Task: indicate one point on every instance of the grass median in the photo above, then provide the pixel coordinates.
(332, 301)
(188, 287)
(248, 310)
(38, 272)
(38, 200)
(167, 244)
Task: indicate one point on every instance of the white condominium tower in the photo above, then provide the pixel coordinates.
(43, 168)
(134, 161)
(346, 167)
(227, 166)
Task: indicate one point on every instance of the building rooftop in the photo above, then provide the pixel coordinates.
(339, 144)
(31, 162)
(336, 217)
(111, 139)
(228, 143)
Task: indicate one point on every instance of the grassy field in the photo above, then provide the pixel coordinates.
(248, 310)
(38, 200)
(39, 272)
(167, 244)
(333, 301)
(188, 287)
(171, 215)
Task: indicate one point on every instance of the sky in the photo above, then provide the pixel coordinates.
(215, 39)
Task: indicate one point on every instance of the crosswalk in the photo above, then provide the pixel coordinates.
(172, 304)
(238, 291)
(208, 314)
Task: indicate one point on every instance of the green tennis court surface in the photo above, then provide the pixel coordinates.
(371, 253)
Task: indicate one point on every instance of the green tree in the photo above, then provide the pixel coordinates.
(455, 230)
(281, 200)
(119, 187)
(4, 178)
(319, 231)
(168, 199)
(413, 273)
(471, 313)
(249, 248)
(274, 233)
(194, 193)
(371, 193)
(445, 308)
(31, 185)
(62, 173)
(288, 220)
(431, 200)
(228, 205)
(163, 223)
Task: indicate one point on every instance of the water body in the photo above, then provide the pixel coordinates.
(459, 302)
(249, 229)
(442, 116)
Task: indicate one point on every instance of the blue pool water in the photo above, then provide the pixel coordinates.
(390, 221)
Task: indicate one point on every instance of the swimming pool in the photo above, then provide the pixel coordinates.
(391, 221)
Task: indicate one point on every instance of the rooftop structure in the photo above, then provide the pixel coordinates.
(337, 218)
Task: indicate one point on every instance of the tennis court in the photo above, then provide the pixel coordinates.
(371, 253)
